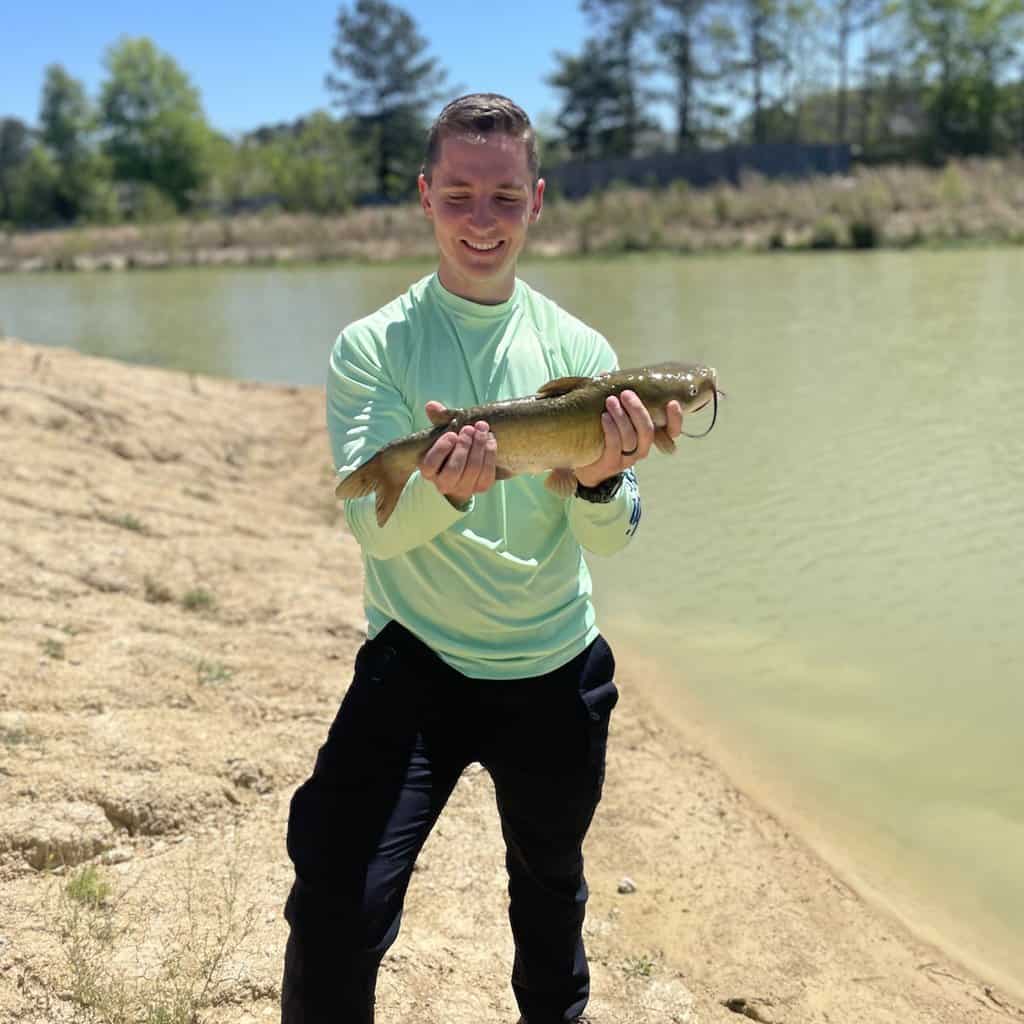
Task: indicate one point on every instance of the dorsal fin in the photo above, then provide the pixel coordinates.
(562, 386)
(440, 417)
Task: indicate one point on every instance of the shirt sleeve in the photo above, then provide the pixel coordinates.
(608, 528)
(365, 410)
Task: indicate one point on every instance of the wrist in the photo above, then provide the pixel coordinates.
(601, 492)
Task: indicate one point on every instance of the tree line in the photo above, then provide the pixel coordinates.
(898, 79)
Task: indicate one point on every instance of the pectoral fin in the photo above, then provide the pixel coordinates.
(562, 386)
(663, 441)
(562, 482)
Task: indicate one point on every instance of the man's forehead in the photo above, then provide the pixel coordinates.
(497, 156)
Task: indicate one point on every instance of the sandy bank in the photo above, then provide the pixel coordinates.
(179, 611)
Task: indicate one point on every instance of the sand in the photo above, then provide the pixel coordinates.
(179, 611)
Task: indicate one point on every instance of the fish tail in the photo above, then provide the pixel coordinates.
(377, 475)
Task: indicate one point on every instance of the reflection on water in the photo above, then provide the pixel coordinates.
(836, 572)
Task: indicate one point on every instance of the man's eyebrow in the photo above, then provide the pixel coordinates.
(509, 186)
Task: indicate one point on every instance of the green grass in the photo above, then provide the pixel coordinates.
(126, 521)
(639, 966)
(198, 599)
(53, 649)
(210, 673)
(88, 888)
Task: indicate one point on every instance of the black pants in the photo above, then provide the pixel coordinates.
(408, 726)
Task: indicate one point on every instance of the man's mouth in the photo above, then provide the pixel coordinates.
(482, 246)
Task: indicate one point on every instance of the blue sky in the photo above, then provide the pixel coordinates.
(265, 62)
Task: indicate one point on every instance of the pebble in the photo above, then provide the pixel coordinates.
(627, 885)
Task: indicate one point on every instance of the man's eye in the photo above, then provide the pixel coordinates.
(508, 199)
(455, 198)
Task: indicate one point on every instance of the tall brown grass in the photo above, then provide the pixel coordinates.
(892, 206)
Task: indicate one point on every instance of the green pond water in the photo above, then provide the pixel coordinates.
(835, 576)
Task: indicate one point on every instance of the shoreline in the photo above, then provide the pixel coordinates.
(699, 725)
(179, 610)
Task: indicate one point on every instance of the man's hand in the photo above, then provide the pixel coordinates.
(461, 464)
(628, 436)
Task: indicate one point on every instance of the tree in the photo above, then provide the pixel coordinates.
(15, 146)
(67, 124)
(852, 18)
(384, 81)
(698, 47)
(622, 27)
(589, 117)
(156, 130)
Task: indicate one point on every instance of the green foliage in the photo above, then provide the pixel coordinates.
(383, 80)
(53, 649)
(209, 673)
(198, 600)
(88, 887)
(15, 146)
(153, 120)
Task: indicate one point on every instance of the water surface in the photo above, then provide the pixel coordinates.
(835, 574)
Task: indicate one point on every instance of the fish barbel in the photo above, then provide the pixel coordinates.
(556, 429)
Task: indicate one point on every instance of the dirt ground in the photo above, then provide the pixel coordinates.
(179, 611)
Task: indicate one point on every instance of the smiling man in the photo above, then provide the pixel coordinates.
(481, 643)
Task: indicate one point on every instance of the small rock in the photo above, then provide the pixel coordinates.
(627, 885)
(118, 855)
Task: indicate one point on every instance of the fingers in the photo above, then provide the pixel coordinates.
(462, 464)
(674, 416)
(633, 424)
(432, 463)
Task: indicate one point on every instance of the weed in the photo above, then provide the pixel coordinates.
(157, 592)
(198, 599)
(88, 887)
(127, 960)
(53, 649)
(127, 521)
(639, 966)
(209, 673)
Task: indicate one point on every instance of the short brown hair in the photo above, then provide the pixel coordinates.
(481, 113)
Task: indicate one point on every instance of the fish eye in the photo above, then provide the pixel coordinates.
(693, 390)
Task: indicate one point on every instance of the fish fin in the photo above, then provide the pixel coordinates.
(360, 481)
(372, 476)
(440, 417)
(387, 498)
(503, 473)
(562, 482)
(663, 441)
(562, 386)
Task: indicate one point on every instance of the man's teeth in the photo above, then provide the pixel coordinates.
(483, 248)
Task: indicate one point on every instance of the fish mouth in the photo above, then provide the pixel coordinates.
(715, 395)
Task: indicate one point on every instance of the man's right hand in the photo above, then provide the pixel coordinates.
(461, 464)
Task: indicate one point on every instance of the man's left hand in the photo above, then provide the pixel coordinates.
(628, 436)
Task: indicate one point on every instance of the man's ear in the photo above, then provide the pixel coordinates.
(424, 187)
(538, 201)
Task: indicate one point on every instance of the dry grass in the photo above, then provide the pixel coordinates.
(894, 206)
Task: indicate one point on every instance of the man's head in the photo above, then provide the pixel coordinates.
(478, 115)
(480, 190)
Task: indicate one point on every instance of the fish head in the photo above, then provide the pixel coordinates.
(692, 385)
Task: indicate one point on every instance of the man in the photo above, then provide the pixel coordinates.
(481, 642)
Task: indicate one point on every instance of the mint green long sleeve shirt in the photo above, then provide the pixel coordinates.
(500, 588)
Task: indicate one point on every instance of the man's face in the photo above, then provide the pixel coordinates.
(481, 201)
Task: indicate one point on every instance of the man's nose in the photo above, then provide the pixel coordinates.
(482, 215)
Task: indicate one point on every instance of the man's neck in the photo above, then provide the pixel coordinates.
(484, 293)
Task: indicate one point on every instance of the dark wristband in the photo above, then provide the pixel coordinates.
(602, 493)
